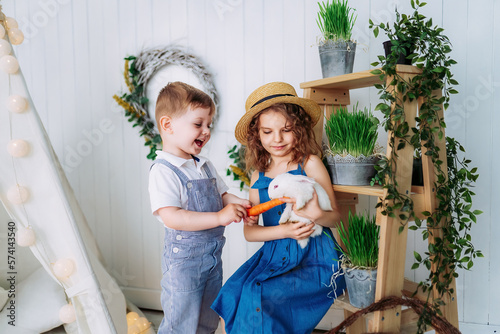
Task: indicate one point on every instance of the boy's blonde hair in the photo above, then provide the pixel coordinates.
(175, 98)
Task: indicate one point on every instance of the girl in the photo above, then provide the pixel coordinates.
(282, 288)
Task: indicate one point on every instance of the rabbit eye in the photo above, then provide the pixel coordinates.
(276, 186)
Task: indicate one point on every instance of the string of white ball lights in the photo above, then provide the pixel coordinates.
(19, 148)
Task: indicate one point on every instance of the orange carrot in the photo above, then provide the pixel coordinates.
(263, 207)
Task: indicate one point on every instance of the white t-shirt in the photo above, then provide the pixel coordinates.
(165, 187)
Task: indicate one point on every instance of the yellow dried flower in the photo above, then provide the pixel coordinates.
(126, 74)
(243, 177)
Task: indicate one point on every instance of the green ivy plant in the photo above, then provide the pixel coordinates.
(454, 214)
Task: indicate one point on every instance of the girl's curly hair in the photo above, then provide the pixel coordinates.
(305, 144)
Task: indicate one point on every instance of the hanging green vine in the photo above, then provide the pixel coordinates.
(429, 49)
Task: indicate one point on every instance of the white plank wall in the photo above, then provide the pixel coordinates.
(73, 63)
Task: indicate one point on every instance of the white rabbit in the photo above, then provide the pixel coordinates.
(301, 188)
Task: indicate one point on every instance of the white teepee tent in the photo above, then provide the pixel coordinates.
(39, 200)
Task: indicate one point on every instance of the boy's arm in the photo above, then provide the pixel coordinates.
(185, 220)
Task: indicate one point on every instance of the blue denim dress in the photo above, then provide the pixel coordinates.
(191, 263)
(282, 288)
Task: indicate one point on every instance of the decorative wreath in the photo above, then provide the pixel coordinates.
(137, 74)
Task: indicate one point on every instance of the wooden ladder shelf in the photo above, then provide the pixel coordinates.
(331, 93)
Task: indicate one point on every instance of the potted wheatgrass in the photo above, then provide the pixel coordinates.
(359, 258)
(336, 47)
(352, 151)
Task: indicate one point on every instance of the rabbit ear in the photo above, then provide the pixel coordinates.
(306, 179)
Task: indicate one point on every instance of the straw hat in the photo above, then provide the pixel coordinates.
(267, 95)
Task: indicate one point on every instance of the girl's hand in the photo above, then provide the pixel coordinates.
(297, 231)
(311, 210)
(250, 220)
(231, 213)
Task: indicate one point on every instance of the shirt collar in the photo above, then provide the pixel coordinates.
(178, 161)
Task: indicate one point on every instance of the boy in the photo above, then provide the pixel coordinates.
(191, 200)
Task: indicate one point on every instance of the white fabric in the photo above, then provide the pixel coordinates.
(37, 302)
(3, 297)
(165, 187)
(55, 216)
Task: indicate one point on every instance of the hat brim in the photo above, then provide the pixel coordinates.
(309, 106)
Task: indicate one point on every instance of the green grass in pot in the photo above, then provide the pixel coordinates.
(360, 239)
(353, 133)
(335, 20)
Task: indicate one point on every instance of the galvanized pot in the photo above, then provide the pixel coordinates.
(352, 171)
(336, 57)
(361, 285)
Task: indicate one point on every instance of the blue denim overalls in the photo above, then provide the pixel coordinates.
(191, 263)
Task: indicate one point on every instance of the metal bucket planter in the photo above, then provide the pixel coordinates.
(361, 285)
(336, 57)
(402, 58)
(352, 171)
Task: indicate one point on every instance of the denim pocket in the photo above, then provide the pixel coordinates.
(184, 267)
(208, 201)
(217, 254)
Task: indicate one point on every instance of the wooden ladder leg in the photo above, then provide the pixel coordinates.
(392, 244)
(358, 327)
(450, 309)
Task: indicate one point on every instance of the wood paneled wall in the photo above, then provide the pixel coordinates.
(73, 63)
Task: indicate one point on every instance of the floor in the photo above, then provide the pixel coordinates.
(155, 318)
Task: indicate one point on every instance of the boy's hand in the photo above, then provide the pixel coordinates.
(297, 231)
(231, 213)
(249, 220)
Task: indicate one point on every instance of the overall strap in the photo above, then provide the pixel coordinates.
(207, 171)
(176, 170)
(301, 168)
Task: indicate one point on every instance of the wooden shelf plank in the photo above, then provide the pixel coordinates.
(342, 303)
(409, 287)
(369, 190)
(347, 81)
(356, 80)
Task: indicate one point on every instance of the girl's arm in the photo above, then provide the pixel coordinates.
(228, 198)
(296, 231)
(314, 168)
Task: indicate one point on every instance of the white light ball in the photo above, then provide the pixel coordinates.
(142, 323)
(11, 22)
(67, 313)
(5, 48)
(133, 329)
(18, 148)
(132, 318)
(63, 268)
(2, 31)
(25, 237)
(9, 64)
(16, 103)
(18, 194)
(16, 36)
